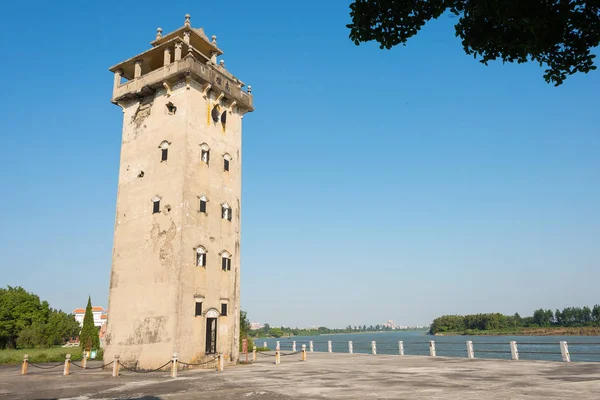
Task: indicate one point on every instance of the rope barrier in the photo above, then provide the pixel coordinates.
(192, 365)
(45, 367)
(81, 366)
(145, 372)
(265, 354)
(290, 354)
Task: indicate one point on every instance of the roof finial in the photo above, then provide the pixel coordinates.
(187, 20)
(214, 39)
(158, 33)
(222, 62)
(249, 89)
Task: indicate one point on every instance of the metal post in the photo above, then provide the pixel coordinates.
(350, 347)
(303, 352)
(294, 345)
(174, 366)
(311, 346)
(277, 357)
(373, 347)
(401, 347)
(84, 360)
(254, 353)
(67, 368)
(329, 348)
(432, 348)
(564, 351)
(25, 364)
(514, 351)
(470, 352)
(115, 371)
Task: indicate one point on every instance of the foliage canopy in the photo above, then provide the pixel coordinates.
(559, 34)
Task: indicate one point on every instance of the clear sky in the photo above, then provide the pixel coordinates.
(401, 184)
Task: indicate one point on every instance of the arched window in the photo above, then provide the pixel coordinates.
(225, 261)
(203, 201)
(156, 205)
(226, 162)
(164, 150)
(200, 256)
(205, 153)
(226, 211)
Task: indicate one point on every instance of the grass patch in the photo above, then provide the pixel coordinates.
(52, 354)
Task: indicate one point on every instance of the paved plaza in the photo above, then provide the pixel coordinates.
(323, 376)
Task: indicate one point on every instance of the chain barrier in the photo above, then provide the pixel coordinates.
(192, 365)
(45, 367)
(265, 354)
(290, 354)
(144, 372)
(81, 366)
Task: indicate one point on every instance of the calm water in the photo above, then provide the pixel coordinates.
(582, 348)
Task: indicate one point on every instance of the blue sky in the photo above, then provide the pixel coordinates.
(401, 184)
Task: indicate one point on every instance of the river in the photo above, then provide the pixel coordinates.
(582, 348)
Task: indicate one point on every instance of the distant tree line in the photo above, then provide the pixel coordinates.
(568, 317)
(27, 322)
(268, 331)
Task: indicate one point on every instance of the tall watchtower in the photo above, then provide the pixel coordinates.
(175, 279)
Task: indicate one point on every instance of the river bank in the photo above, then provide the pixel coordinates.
(550, 331)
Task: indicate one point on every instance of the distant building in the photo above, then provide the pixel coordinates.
(256, 325)
(390, 324)
(98, 312)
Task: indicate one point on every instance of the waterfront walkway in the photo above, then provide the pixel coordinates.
(323, 376)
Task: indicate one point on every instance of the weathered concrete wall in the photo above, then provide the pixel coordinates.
(154, 279)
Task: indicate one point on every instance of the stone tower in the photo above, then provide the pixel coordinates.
(175, 279)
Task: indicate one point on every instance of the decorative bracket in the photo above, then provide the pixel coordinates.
(233, 103)
(218, 100)
(205, 89)
(168, 88)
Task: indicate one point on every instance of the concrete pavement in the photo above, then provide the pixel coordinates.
(323, 376)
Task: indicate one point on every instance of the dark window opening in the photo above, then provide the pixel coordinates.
(224, 310)
(224, 117)
(205, 156)
(203, 206)
(226, 165)
(215, 113)
(201, 259)
(211, 335)
(198, 308)
(164, 154)
(226, 264)
(156, 207)
(141, 174)
(226, 213)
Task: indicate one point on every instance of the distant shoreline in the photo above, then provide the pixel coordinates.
(334, 334)
(583, 331)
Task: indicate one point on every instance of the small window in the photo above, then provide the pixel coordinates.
(226, 165)
(198, 311)
(205, 154)
(200, 257)
(164, 150)
(225, 261)
(156, 205)
(226, 212)
(203, 204)
(224, 309)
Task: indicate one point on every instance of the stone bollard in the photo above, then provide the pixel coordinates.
(294, 345)
(265, 345)
(514, 351)
(311, 346)
(470, 352)
(277, 357)
(303, 352)
(373, 347)
(84, 360)
(329, 347)
(25, 364)
(432, 348)
(174, 366)
(350, 347)
(401, 347)
(253, 353)
(115, 371)
(67, 368)
(564, 351)
(220, 363)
